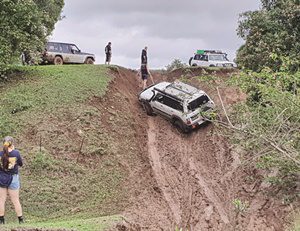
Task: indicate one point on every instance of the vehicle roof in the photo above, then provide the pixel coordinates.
(180, 90)
(62, 43)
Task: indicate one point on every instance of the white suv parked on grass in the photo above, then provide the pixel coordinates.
(211, 58)
(60, 53)
(181, 103)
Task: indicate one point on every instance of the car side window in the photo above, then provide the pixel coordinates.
(159, 98)
(173, 103)
(74, 49)
(65, 48)
(197, 57)
(204, 58)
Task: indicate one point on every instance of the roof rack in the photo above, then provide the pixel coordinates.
(179, 89)
(202, 52)
(171, 96)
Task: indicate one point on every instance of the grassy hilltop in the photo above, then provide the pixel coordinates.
(48, 110)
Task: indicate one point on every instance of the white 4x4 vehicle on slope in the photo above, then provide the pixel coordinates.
(211, 58)
(181, 103)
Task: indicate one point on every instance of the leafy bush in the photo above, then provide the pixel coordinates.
(25, 26)
(269, 123)
(42, 161)
(175, 64)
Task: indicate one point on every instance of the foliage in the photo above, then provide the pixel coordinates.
(271, 35)
(240, 206)
(42, 161)
(270, 123)
(25, 25)
(175, 64)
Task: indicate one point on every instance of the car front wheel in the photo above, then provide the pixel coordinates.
(89, 61)
(148, 108)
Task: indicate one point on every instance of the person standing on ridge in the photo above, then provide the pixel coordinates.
(108, 53)
(144, 57)
(10, 160)
(144, 71)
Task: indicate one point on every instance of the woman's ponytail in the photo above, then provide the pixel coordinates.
(5, 157)
(7, 143)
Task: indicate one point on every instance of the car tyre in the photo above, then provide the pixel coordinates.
(211, 65)
(181, 126)
(148, 108)
(89, 61)
(194, 65)
(58, 60)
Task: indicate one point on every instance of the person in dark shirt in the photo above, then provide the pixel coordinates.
(145, 73)
(10, 160)
(108, 53)
(144, 57)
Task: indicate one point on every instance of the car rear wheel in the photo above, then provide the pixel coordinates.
(89, 61)
(194, 65)
(211, 65)
(58, 60)
(148, 108)
(181, 126)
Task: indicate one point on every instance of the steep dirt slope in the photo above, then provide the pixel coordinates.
(190, 181)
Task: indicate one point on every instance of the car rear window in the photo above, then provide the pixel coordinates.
(198, 102)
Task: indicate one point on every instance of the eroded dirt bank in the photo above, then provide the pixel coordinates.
(190, 181)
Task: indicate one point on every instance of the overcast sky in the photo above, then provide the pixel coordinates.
(170, 28)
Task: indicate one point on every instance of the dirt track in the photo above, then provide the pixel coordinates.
(189, 181)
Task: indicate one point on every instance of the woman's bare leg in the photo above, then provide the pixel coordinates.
(3, 196)
(14, 196)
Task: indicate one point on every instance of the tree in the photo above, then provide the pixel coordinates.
(25, 25)
(175, 64)
(271, 34)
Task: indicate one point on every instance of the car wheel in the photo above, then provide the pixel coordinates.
(89, 61)
(181, 126)
(190, 61)
(148, 108)
(58, 60)
(211, 65)
(194, 65)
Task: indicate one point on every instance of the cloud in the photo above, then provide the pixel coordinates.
(171, 29)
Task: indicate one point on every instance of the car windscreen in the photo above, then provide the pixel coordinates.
(198, 102)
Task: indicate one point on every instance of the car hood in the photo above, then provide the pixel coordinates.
(148, 93)
(84, 53)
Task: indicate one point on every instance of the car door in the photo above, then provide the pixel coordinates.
(203, 61)
(167, 106)
(66, 53)
(77, 56)
(159, 105)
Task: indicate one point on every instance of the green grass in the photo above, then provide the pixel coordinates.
(44, 107)
(93, 224)
(43, 89)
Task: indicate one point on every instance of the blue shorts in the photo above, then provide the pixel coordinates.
(15, 184)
